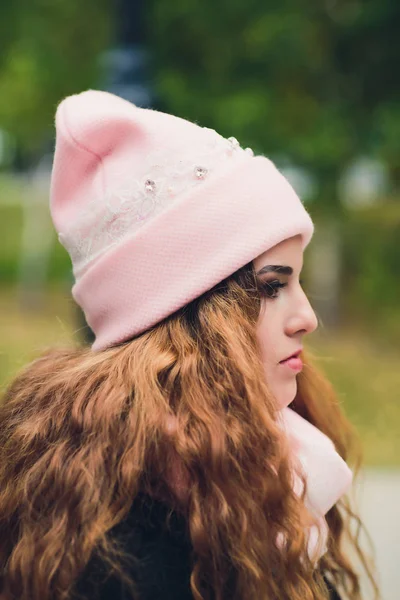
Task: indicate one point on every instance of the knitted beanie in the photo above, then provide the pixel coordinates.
(155, 210)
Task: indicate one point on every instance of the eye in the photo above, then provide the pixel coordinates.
(270, 288)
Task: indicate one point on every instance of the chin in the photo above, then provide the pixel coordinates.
(286, 394)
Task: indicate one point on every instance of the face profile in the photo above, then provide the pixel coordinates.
(286, 316)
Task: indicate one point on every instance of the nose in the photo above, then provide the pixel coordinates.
(303, 318)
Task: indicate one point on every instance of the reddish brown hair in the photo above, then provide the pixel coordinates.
(82, 433)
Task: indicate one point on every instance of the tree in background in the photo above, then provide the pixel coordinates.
(309, 79)
(48, 49)
(312, 80)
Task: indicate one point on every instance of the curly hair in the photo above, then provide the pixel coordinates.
(82, 433)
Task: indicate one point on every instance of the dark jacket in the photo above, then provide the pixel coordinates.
(164, 554)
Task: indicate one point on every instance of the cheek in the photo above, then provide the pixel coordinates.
(268, 336)
(281, 382)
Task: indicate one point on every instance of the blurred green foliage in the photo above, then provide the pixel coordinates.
(309, 80)
(10, 249)
(366, 379)
(48, 49)
(10, 236)
(371, 268)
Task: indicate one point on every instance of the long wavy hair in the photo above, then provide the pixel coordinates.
(82, 433)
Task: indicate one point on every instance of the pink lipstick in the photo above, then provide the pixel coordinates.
(294, 363)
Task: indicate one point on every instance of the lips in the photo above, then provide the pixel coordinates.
(295, 364)
(294, 355)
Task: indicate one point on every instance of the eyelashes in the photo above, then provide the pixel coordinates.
(270, 289)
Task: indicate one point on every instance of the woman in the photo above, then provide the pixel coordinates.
(184, 455)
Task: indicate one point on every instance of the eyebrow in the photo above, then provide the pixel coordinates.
(283, 269)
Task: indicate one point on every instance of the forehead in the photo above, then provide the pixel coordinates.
(288, 252)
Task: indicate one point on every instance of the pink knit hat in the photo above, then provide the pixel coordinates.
(155, 210)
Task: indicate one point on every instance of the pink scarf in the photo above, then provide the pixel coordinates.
(328, 476)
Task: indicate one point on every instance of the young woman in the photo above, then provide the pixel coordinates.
(193, 451)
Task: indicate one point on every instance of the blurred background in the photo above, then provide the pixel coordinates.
(312, 84)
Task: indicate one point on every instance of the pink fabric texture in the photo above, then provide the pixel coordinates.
(155, 210)
(327, 474)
